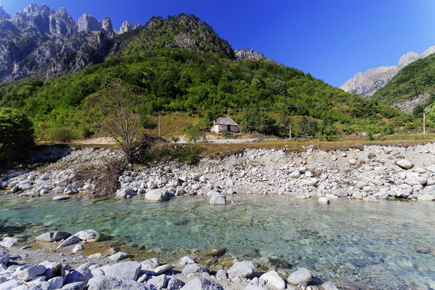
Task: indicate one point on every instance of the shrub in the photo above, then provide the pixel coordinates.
(227, 135)
(16, 135)
(62, 134)
(175, 139)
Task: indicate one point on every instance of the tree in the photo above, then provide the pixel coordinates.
(193, 132)
(119, 111)
(327, 130)
(16, 135)
(308, 126)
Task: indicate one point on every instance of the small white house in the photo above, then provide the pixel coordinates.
(225, 124)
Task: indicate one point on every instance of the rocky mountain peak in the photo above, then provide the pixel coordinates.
(61, 23)
(107, 24)
(88, 23)
(34, 10)
(3, 14)
(126, 27)
(367, 83)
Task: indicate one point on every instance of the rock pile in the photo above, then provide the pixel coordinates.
(368, 173)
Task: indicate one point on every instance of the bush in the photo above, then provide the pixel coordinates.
(62, 134)
(16, 135)
(227, 135)
(193, 132)
(175, 139)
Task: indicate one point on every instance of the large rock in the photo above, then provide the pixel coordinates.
(158, 282)
(31, 272)
(53, 269)
(128, 270)
(303, 275)
(105, 282)
(194, 268)
(341, 192)
(272, 278)
(426, 197)
(118, 256)
(87, 235)
(56, 282)
(405, 164)
(81, 274)
(107, 24)
(70, 241)
(11, 284)
(74, 286)
(241, 269)
(329, 286)
(149, 265)
(200, 283)
(53, 236)
(162, 269)
(218, 199)
(4, 258)
(157, 195)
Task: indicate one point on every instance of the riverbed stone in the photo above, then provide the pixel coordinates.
(8, 242)
(329, 286)
(213, 252)
(157, 195)
(324, 200)
(81, 274)
(74, 286)
(9, 285)
(218, 200)
(105, 282)
(52, 269)
(31, 272)
(303, 275)
(272, 278)
(162, 269)
(341, 192)
(405, 164)
(61, 197)
(53, 236)
(118, 256)
(70, 190)
(426, 197)
(149, 265)
(194, 268)
(200, 283)
(69, 241)
(56, 282)
(4, 258)
(158, 282)
(128, 270)
(186, 260)
(87, 235)
(241, 269)
(174, 284)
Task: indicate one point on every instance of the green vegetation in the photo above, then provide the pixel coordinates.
(180, 64)
(413, 80)
(16, 135)
(193, 132)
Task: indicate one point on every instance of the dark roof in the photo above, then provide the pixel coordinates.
(225, 121)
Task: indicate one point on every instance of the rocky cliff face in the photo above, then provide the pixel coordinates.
(46, 43)
(366, 84)
(126, 27)
(243, 54)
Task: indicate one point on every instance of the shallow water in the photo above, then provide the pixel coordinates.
(347, 239)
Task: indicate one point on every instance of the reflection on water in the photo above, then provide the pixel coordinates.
(368, 243)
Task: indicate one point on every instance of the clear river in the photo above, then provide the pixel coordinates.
(385, 245)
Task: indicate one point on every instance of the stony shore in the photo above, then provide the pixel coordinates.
(366, 173)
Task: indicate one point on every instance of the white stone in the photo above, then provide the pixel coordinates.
(329, 286)
(128, 270)
(157, 195)
(87, 235)
(272, 278)
(241, 269)
(324, 200)
(186, 260)
(105, 282)
(426, 197)
(218, 199)
(405, 164)
(118, 256)
(303, 275)
(201, 283)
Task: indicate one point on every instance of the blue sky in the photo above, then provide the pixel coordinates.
(332, 40)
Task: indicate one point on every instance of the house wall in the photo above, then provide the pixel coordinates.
(223, 128)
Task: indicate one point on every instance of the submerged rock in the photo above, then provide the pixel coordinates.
(303, 275)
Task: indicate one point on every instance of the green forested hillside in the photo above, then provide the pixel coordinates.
(415, 79)
(180, 64)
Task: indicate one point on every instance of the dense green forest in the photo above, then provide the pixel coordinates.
(180, 64)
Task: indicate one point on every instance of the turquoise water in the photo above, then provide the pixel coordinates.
(347, 239)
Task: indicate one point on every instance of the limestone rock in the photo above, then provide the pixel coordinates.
(201, 283)
(405, 164)
(157, 195)
(163, 269)
(241, 269)
(218, 199)
(53, 269)
(87, 235)
(3, 14)
(31, 272)
(272, 278)
(88, 23)
(426, 197)
(11, 284)
(244, 54)
(53, 236)
(105, 282)
(186, 260)
(4, 258)
(118, 256)
(194, 268)
(70, 241)
(303, 275)
(74, 286)
(107, 24)
(174, 284)
(329, 286)
(61, 197)
(128, 270)
(324, 200)
(158, 282)
(149, 265)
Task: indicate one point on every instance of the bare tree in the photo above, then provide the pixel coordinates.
(117, 111)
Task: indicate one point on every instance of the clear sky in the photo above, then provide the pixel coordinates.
(331, 39)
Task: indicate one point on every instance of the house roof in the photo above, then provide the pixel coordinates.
(225, 121)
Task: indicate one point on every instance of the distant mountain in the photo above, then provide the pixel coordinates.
(366, 84)
(39, 41)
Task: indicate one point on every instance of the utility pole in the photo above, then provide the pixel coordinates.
(160, 122)
(424, 123)
(290, 132)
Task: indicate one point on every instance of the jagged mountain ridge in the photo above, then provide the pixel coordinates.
(39, 41)
(366, 84)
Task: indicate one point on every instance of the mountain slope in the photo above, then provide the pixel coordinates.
(366, 84)
(413, 85)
